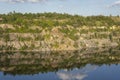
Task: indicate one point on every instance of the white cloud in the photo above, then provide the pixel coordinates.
(22, 1)
(117, 3)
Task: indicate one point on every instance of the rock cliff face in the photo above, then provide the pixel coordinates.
(59, 38)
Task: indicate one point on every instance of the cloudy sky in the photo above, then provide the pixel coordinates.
(80, 7)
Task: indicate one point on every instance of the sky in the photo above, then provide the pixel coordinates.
(79, 7)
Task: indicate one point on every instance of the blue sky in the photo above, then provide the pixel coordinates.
(80, 7)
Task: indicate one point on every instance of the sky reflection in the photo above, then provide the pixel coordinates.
(76, 74)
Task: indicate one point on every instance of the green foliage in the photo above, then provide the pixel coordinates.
(56, 45)
(110, 37)
(70, 33)
(47, 36)
(56, 19)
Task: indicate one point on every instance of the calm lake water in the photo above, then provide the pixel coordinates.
(86, 64)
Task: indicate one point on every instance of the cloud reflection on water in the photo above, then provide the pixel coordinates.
(76, 74)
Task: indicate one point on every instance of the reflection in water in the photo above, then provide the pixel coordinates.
(63, 65)
(68, 76)
(76, 74)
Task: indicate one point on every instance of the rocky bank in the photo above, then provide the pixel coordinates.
(59, 38)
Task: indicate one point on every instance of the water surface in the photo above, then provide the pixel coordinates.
(86, 64)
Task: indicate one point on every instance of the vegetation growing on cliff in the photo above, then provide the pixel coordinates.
(23, 22)
(54, 31)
